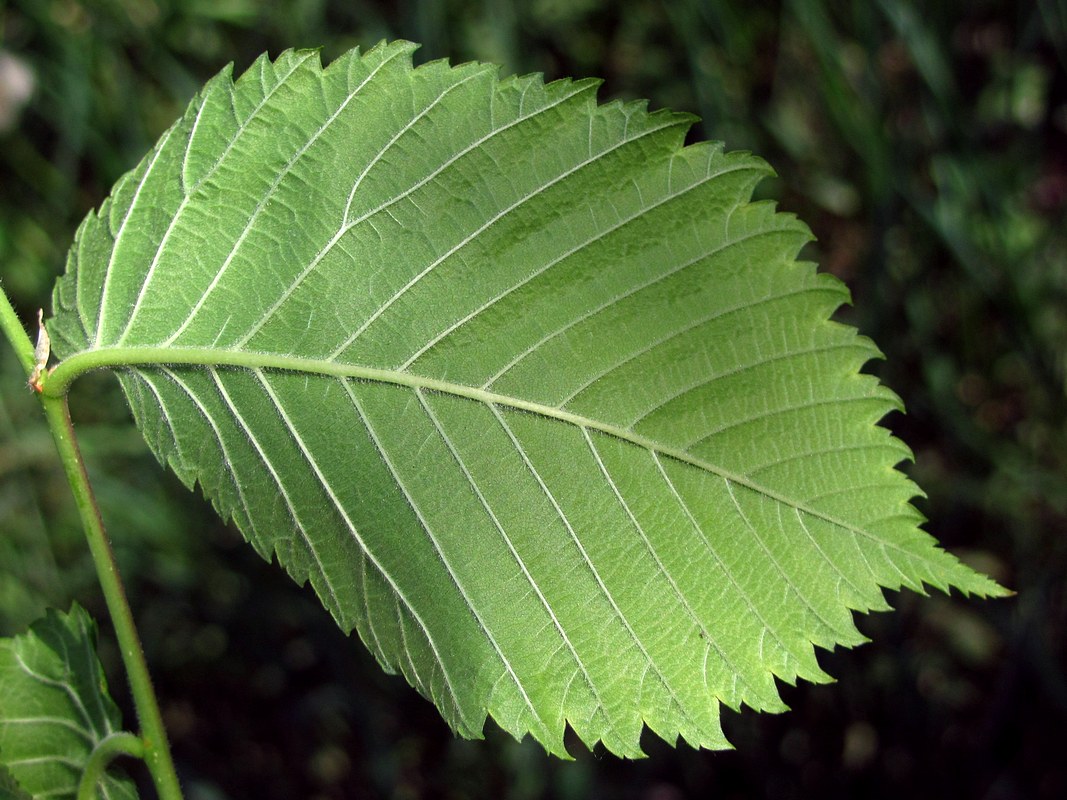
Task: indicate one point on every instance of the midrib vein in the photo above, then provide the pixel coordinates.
(60, 379)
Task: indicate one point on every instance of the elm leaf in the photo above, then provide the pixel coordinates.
(536, 397)
(54, 710)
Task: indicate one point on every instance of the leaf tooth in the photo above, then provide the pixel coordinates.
(710, 639)
(858, 596)
(565, 641)
(347, 224)
(650, 665)
(207, 100)
(69, 326)
(580, 247)
(365, 626)
(265, 200)
(454, 83)
(813, 455)
(242, 512)
(242, 424)
(434, 683)
(539, 723)
(407, 665)
(494, 131)
(474, 235)
(221, 84)
(787, 655)
(527, 279)
(165, 449)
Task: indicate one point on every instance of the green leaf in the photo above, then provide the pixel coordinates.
(536, 398)
(54, 708)
(9, 787)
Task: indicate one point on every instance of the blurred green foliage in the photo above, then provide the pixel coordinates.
(926, 145)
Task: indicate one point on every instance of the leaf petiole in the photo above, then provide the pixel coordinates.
(116, 744)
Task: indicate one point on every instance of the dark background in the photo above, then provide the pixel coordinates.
(925, 144)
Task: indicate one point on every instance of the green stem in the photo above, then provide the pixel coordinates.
(116, 744)
(16, 334)
(156, 750)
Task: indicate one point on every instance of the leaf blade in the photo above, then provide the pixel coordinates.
(525, 363)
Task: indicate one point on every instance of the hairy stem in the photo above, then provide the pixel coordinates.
(156, 749)
(16, 334)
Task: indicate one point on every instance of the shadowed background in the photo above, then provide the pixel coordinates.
(926, 146)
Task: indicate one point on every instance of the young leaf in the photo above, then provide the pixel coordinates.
(55, 709)
(536, 398)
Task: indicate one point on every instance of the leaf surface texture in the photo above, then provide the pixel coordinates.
(54, 710)
(540, 403)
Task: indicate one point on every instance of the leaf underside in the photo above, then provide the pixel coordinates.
(54, 710)
(540, 403)
(9, 787)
